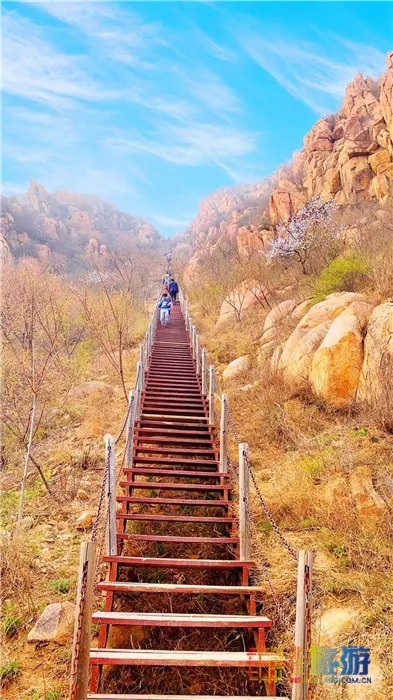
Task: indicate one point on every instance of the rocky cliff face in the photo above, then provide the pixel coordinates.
(346, 157)
(63, 228)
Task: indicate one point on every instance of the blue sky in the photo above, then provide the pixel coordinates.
(154, 105)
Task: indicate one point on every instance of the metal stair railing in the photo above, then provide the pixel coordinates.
(105, 522)
(245, 475)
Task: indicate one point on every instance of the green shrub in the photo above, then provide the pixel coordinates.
(8, 672)
(60, 585)
(11, 622)
(343, 274)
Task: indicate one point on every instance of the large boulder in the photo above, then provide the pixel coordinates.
(285, 201)
(279, 323)
(320, 137)
(299, 349)
(358, 130)
(356, 176)
(55, 624)
(251, 239)
(381, 187)
(336, 364)
(378, 160)
(275, 320)
(236, 367)
(375, 384)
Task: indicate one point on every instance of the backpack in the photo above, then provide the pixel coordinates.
(164, 304)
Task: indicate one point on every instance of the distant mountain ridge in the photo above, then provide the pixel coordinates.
(346, 157)
(63, 228)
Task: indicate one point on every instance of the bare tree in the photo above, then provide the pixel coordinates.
(109, 314)
(37, 349)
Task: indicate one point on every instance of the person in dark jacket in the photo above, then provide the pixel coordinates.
(173, 290)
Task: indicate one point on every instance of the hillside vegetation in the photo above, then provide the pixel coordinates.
(292, 289)
(290, 283)
(301, 332)
(69, 356)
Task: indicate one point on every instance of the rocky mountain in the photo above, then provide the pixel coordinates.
(346, 157)
(63, 228)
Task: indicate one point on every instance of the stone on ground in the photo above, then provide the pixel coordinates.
(85, 520)
(55, 624)
(236, 367)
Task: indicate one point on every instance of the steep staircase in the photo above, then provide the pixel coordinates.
(176, 510)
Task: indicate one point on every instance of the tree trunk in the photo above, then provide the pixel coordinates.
(27, 459)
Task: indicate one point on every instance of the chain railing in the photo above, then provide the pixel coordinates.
(246, 517)
(105, 524)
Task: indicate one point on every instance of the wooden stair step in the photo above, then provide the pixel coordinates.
(174, 450)
(189, 413)
(178, 366)
(164, 416)
(200, 442)
(178, 400)
(181, 361)
(188, 473)
(173, 426)
(167, 563)
(171, 375)
(203, 433)
(174, 402)
(175, 392)
(151, 657)
(162, 410)
(205, 502)
(157, 377)
(176, 460)
(174, 486)
(175, 389)
(175, 518)
(176, 588)
(191, 387)
(179, 376)
(210, 471)
(185, 343)
(181, 620)
(129, 536)
(130, 696)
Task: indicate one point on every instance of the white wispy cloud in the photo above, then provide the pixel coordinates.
(305, 70)
(84, 94)
(191, 144)
(34, 69)
(121, 34)
(211, 91)
(171, 221)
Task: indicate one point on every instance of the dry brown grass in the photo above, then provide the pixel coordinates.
(305, 456)
(47, 548)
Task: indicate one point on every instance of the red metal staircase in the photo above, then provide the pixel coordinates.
(177, 540)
